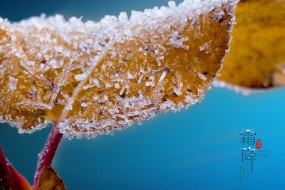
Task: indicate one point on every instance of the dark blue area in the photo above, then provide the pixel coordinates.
(198, 148)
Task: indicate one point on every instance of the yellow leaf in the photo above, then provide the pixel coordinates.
(92, 78)
(49, 179)
(257, 52)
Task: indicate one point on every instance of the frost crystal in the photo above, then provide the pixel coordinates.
(202, 76)
(93, 78)
(12, 83)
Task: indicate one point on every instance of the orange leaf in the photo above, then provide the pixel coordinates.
(92, 78)
(49, 179)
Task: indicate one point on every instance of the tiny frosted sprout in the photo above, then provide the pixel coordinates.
(257, 57)
(92, 78)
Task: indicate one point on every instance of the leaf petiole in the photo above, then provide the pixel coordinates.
(47, 154)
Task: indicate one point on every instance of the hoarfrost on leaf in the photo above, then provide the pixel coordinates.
(92, 78)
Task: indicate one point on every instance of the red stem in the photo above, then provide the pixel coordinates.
(46, 156)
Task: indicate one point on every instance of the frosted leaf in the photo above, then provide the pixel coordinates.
(93, 78)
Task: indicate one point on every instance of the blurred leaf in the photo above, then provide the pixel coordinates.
(49, 179)
(257, 52)
(10, 178)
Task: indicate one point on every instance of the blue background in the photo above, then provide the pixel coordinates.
(198, 148)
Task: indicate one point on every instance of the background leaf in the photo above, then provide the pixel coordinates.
(256, 59)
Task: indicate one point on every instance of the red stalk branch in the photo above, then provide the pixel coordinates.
(47, 154)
